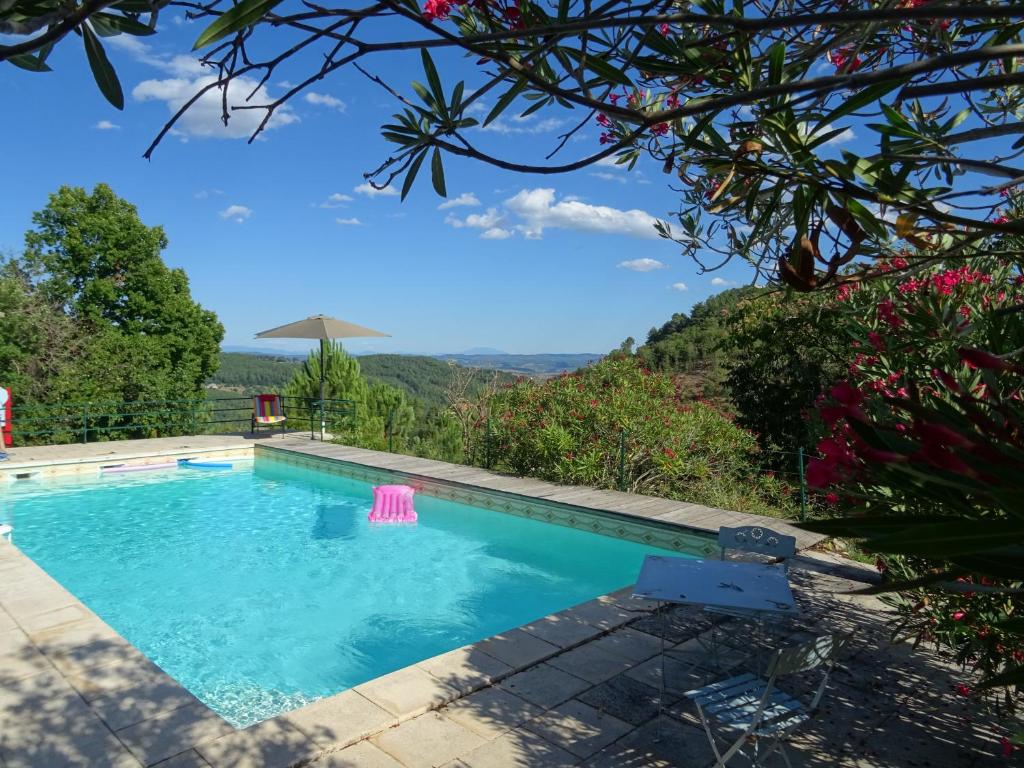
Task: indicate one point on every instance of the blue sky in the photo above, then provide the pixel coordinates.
(280, 229)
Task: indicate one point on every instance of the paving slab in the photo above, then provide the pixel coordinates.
(679, 676)
(630, 644)
(625, 698)
(517, 648)
(491, 712)
(342, 719)
(563, 630)
(72, 612)
(604, 614)
(147, 698)
(270, 744)
(67, 751)
(407, 692)
(466, 669)
(517, 749)
(131, 671)
(544, 685)
(189, 759)
(44, 723)
(173, 732)
(361, 755)
(17, 665)
(427, 741)
(661, 743)
(13, 640)
(591, 663)
(578, 728)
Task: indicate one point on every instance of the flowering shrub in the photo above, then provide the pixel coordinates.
(569, 429)
(926, 449)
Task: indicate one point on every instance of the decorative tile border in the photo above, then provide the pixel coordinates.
(653, 533)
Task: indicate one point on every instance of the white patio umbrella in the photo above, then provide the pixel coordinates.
(320, 327)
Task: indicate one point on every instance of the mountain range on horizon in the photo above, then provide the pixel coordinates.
(539, 364)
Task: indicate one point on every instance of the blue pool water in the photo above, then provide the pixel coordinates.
(263, 588)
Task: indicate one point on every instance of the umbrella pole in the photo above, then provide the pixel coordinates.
(323, 374)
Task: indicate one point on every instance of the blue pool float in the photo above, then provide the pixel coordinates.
(192, 463)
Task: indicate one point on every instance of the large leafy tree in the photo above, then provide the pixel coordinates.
(92, 260)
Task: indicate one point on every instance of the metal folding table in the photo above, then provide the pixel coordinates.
(755, 589)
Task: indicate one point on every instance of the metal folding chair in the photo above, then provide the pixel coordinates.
(751, 710)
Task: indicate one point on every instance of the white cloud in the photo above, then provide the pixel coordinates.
(179, 66)
(237, 213)
(202, 194)
(842, 138)
(519, 125)
(106, 125)
(538, 210)
(496, 233)
(205, 117)
(679, 287)
(466, 198)
(514, 124)
(324, 100)
(336, 200)
(371, 191)
(609, 176)
(721, 282)
(353, 222)
(188, 77)
(487, 220)
(642, 265)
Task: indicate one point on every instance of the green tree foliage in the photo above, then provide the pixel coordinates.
(568, 429)
(692, 344)
(91, 312)
(780, 354)
(267, 373)
(376, 404)
(424, 378)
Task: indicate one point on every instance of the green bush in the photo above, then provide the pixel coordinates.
(618, 421)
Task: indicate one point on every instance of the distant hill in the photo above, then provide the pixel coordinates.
(482, 351)
(251, 373)
(530, 365)
(424, 378)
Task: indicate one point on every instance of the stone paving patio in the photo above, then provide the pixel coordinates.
(577, 688)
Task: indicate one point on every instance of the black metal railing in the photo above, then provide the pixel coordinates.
(85, 422)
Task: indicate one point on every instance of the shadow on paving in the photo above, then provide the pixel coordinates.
(887, 706)
(46, 722)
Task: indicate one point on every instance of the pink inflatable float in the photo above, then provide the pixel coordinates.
(392, 504)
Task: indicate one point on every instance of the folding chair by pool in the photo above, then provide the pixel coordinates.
(748, 710)
(267, 411)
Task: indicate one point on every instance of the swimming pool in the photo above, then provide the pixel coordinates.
(263, 588)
